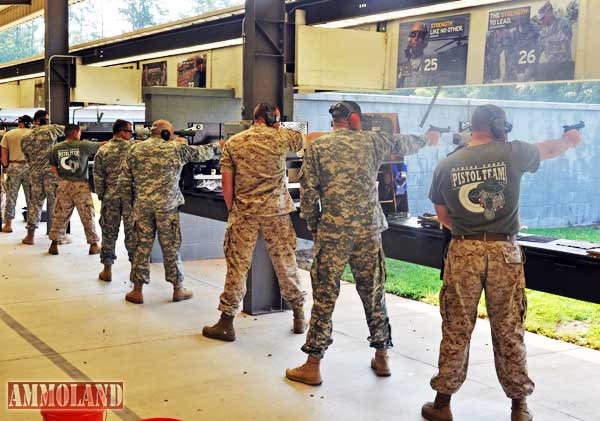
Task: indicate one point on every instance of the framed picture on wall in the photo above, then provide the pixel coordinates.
(191, 72)
(39, 94)
(154, 74)
(433, 52)
(533, 42)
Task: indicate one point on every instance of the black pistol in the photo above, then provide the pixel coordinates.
(577, 126)
(440, 130)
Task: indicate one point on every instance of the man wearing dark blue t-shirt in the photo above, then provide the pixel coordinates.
(476, 194)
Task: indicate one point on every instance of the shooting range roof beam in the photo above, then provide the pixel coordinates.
(229, 27)
(389, 10)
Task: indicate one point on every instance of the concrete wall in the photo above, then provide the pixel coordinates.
(563, 192)
(184, 105)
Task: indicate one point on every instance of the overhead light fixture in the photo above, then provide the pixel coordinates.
(24, 77)
(416, 11)
(170, 53)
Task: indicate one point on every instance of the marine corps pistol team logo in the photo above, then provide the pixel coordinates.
(69, 160)
(481, 189)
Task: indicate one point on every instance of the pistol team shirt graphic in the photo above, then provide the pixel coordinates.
(481, 188)
(69, 160)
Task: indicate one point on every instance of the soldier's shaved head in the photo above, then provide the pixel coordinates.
(159, 125)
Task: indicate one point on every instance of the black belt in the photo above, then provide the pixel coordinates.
(486, 236)
(18, 162)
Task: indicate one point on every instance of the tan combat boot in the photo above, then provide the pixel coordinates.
(439, 409)
(135, 296)
(223, 330)
(7, 228)
(299, 320)
(180, 293)
(308, 373)
(94, 249)
(53, 248)
(106, 274)
(380, 363)
(520, 411)
(29, 237)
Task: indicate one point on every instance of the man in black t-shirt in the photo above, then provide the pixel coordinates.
(476, 194)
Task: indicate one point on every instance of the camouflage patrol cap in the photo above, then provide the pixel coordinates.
(546, 8)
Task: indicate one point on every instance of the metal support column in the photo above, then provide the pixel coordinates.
(264, 81)
(264, 56)
(58, 69)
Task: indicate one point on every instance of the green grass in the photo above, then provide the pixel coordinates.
(550, 315)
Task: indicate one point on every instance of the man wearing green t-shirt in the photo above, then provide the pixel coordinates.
(69, 161)
(476, 195)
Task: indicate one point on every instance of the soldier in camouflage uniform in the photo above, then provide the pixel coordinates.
(254, 162)
(411, 72)
(108, 164)
(17, 171)
(36, 147)
(556, 36)
(476, 194)
(69, 161)
(340, 203)
(149, 182)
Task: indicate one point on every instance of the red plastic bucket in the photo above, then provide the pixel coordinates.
(58, 415)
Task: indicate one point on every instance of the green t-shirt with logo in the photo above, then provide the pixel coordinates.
(71, 158)
(481, 185)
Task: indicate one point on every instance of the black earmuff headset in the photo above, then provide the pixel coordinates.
(165, 134)
(270, 114)
(350, 110)
(498, 125)
(26, 120)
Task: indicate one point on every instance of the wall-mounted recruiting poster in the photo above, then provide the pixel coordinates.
(433, 52)
(154, 74)
(191, 72)
(535, 41)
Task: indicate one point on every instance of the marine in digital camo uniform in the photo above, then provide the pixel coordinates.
(17, 170)
(476, 194)
(108, 164)
(69, 161)
(150, 183)
(36, 147)
(254, 168)
(339, 200)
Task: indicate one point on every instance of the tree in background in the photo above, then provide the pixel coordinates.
(83, 17)
(141, 13)
(575, 92)
(22, 41)
(199, 7)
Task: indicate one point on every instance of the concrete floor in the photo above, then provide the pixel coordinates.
(170, 370)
